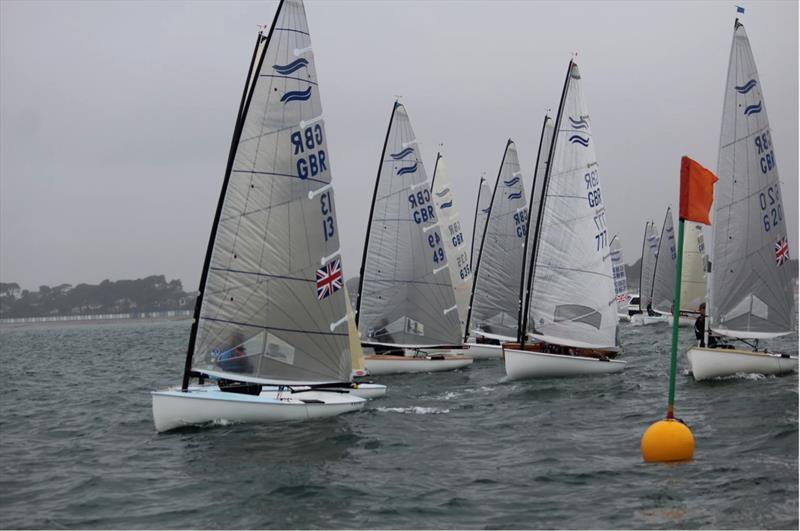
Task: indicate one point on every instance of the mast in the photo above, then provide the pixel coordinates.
(475, 226)
(483, 239)
(524, 289)
(435, 166)
(641, 263)
(244, 105)
(371, 211)
(535, 253)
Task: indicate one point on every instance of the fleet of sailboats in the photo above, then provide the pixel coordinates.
(540, 284)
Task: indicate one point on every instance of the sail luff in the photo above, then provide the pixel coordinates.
(372, 212)
(525, 288)
(237, 131)
(478, 211)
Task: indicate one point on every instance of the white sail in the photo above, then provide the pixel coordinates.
(356, 352)
(573, 288)
(693, 276)
(406, 297)
(648, 264)
(495, 296)
(273, 307)
(663, 290)
(455, 245)
(750, 292)
(618, 270)
(484, 205)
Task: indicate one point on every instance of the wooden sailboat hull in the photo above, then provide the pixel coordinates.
(483, 351)
(207, 404)
(379, 364)
(707, 363)
(525, 364)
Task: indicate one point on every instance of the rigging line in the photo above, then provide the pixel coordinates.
(256, 273)
(275, 174)
(574, 270)
(290, 77)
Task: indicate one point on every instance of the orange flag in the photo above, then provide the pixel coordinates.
(697, 191)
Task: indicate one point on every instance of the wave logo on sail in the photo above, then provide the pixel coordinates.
(407, 169)
(291, 68)
(446, 204)
(747, 87)
(577, 139)
(443, 192)
(397, 156)
(579, 124)
(296, 95)
(752, 109)
(515, 195)
(511, 182)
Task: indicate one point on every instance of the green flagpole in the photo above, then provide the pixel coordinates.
(676, 310)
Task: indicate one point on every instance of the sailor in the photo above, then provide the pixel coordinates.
(700, 328)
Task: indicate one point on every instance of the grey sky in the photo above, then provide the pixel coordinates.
(115, 118)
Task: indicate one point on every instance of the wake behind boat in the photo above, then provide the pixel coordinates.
(572, 297)
(750, 285)
(259, 277)
(407, 311)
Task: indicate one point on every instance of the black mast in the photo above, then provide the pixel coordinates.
(483, 239)
(535, 253)
(371, 210)
(641, 264)
(244, 105)
(435, 166)
(523, 288)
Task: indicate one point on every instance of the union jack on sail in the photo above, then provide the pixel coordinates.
(329, 279)
(781, 251)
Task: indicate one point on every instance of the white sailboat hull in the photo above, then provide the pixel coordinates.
(202, 405)
(368, 390)
(483, 351)
(642, 319)
(385, 364)
(709, 363)
(527, 364)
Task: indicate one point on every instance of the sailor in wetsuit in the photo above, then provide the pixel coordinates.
(700, 328)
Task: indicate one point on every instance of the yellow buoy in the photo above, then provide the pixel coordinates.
(667, 440)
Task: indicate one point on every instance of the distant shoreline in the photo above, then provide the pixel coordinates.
(92, 320)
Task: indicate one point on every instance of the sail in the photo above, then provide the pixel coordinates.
(750, 293)
(573, 287)
(495, 296)
(693, 276)
(455, 245)
(542, 160)
(648, 265)
(482, 209)
(273, 307)
(663, 292)
(406, 297)
(618, 270)
(356, 352)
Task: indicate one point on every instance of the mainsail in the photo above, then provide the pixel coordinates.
(648, 264)
(494, 308)
(271, 306)
(663, 291)
(693, 275)
(455, 245)
(542, 160)
(750, 294)
(573, 288)
(618, 270)
(482, 209)
(405, 297)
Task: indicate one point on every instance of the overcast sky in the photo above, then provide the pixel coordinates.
(116, 117)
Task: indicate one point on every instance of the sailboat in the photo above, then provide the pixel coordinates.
(647, 271)
(572, 292)
(455, 245)
(662, 291)
(482, 208)
(620, 279)
(271, 308)
(750, 286)
(493, 314)
(693, 274)
(406, 311)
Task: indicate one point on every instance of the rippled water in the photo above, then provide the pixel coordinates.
(448, 450)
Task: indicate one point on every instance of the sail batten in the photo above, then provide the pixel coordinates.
(572, 294)
(749, 287)
(272, 289)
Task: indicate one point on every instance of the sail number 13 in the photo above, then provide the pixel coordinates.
(326, 207)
